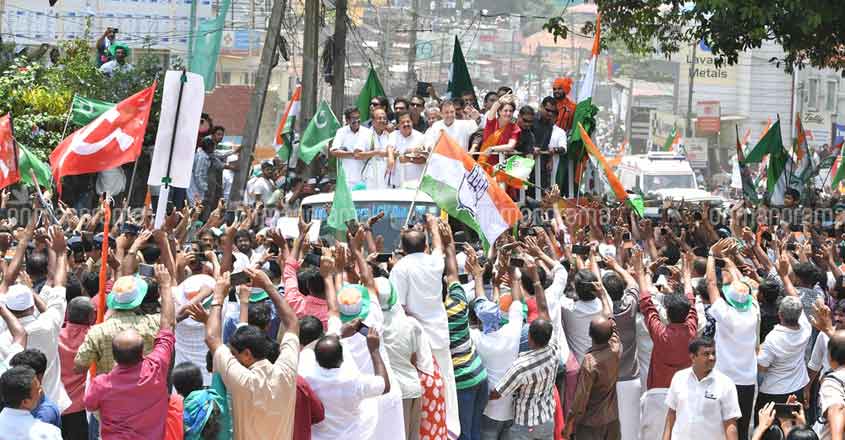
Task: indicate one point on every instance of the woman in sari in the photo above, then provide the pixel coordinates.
(500, 136)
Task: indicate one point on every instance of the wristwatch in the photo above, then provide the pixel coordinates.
(216, 304)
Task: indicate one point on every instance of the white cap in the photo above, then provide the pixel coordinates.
(19, 298)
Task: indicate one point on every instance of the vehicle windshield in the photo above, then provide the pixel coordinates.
(655, 182)
(389, 227)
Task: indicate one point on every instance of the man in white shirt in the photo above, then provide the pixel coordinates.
(702, 402)
(375, 160)
(406, 147)
(43, 331)
(459, 130)
(417, 278)
(737, 318)
(578, 314)
(260, 188)
(21, 393)
(781, 356)
(349, 143)
(340, 392)
(118, 64)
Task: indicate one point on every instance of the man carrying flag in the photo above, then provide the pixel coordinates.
(284, 132)
(749, 192)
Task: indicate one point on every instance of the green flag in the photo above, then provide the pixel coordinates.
(517, 167)
(772, 145)
(207, 46)
(840, 170)
(28, 163)
(84, 110)
(343, 209)
(319, 132)
(636, 203)
(459, 80)
(372, 88)
(670, 139)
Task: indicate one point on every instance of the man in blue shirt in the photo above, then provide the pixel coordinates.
(47, 411)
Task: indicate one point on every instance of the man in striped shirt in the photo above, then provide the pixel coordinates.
(470, 374)
(531, 379)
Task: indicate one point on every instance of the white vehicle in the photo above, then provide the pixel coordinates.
(662, 175)
(395, 204)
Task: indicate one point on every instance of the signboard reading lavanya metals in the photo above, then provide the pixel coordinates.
(706, 71)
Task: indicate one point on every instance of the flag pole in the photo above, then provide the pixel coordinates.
(164, 193)
(67, 118)
(419, 184)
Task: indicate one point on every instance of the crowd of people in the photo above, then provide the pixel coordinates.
(699, 323)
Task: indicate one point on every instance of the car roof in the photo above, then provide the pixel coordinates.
(661, 165)
(373, 195)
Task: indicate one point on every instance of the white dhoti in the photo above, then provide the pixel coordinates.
(653, 411)
(628, 395)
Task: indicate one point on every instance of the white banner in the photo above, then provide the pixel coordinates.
(187, 128)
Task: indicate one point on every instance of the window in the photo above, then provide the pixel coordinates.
(225, 77)
(813, 94)
(830, 97)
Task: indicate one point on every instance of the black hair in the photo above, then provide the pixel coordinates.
(802, 433)
(217, 128)
(792, 192)
(243, 233)
(404, 100)
(540, 331)
(614, 285)
(274, 352)
(349, 111)
(769, 291)
(80, 310)
(400, 114)
(699, 265)
(252, 338)
(36, 264)
(526, 110)
(311, 277)
(310, 329)
(836, 349)
(672, 254)
(546, 100)
(504, 90)
(489, 94)
(259, 315)
(187, 378)
(91, 283)
(16, 386)
(31, 358)
(699, 343)
(807, 272)
(73, 287)
(150, 252)
(677, 307)
(528, 285)
(584, 280)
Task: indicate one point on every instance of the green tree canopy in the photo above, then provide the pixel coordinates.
(810, 32)
(39, 97)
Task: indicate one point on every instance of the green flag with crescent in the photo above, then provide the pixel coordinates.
(319, 132)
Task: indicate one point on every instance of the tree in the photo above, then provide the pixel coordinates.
(810, 32)
(39, 97)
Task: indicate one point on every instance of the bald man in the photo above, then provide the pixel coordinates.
(561, 87)
(597, 376)
(133, 397)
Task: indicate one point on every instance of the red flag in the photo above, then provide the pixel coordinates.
(9, 172)
(111, 140)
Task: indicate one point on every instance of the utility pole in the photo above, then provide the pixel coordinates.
(689, 93)
(412, 42)
(310, 61)
(256, 106)
(191, 31)
(339, 58)
(388, 43)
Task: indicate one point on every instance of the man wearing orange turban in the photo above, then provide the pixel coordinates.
(565, 107)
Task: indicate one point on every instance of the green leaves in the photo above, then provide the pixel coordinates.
(809, 31)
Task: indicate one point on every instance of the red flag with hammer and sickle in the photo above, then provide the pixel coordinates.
(111, 140)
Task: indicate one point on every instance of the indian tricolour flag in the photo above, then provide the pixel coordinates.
(284, 132)
(459, 186)
(577, 151)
